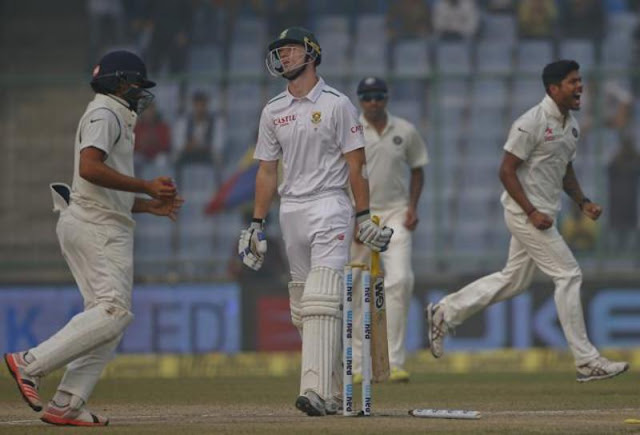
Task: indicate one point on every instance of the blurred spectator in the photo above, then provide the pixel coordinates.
(198, 136)
(499, 6)
(153, 136)
(580, 232)
(170, 35)
(583, 19)
(139, 23)
(537, 18)
(455, 19)
(286, 13)
(407, 19)
(106, 25)
(624, 176)
(614, 101)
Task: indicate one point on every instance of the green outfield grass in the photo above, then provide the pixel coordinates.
(510, 403)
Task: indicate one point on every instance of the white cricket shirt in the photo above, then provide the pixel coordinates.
(107, 124)
(310, 135)
(546, 143)
(390, 157)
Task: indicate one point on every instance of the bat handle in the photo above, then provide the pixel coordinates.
(375, 256)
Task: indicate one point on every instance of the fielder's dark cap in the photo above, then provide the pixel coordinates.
(372, 84)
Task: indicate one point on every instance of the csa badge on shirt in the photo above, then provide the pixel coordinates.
(316, 117)
(575, 132)
(397, 140)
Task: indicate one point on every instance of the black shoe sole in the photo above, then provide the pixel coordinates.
(304, 404)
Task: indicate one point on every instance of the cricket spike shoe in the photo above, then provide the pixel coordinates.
(436, 329)
(27, 385)
(311, 404)
(70, 416)
(399, 375)
(600, 368)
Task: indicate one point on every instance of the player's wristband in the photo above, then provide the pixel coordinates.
(258, 221)
(362, 216)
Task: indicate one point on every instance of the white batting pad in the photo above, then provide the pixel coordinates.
(296, 289)
(83, 333)
(321, 343)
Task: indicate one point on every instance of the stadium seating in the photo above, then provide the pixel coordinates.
(532, 54)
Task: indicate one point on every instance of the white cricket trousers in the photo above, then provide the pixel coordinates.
(529, 248)
(100, 258)
(398, 284)
(317, 232)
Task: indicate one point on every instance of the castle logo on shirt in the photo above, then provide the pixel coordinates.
(397, 140)
(356, 128)
(284, 120)
(316, 117)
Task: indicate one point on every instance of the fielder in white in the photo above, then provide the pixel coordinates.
(393, 149)
(315, 130)
(95, 230)
(537, 166)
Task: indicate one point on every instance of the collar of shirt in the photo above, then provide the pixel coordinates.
(551, 108)
(389, 126)
(312, 96)
(117, 104)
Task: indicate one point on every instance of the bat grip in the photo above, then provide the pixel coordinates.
(375, 255)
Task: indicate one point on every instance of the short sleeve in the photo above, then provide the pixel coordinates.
(267, 148)
(100, 129)
(521, 140)
(417, 155)
(349, 134)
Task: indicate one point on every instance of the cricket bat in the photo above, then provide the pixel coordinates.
(379, 343)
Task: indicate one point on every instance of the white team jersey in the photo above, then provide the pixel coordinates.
(310, 134)
(107, 124)
(390, 156)
(546, 143)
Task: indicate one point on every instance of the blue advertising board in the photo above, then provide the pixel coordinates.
(186, 318)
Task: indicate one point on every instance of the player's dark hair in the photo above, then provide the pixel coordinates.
(555, 72)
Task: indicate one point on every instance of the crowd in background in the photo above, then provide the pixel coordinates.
(164, 32)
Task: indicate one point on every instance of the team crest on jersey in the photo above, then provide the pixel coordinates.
(575, 132)
(397, 140)
(316, 117)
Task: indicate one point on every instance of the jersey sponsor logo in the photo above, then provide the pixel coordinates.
(356, 129)
(316, 117)
(284, 120)
(397, 140)
(548, 134)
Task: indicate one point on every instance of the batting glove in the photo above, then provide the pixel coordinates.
(252, 245)
(371, 234)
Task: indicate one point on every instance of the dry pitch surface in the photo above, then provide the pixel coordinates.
(509, 403)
